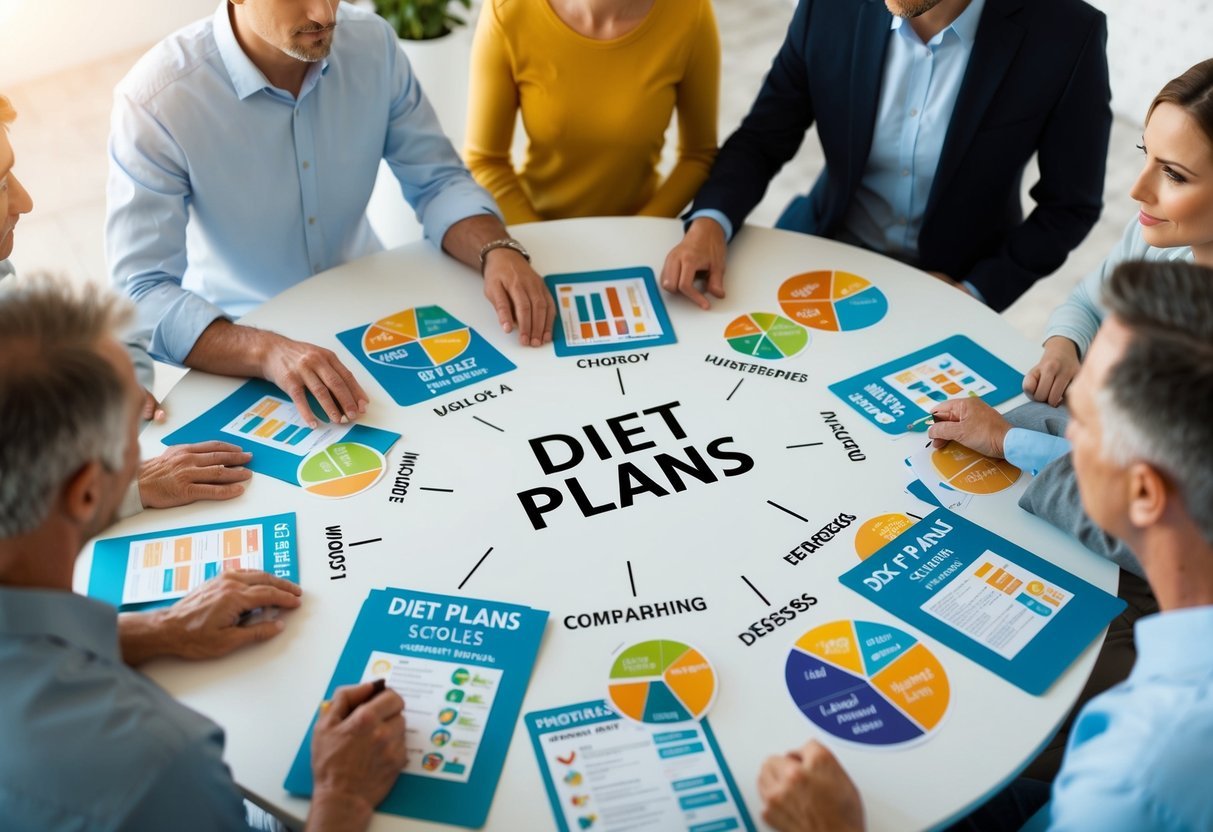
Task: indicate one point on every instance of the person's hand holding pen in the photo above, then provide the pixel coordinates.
(357, 753)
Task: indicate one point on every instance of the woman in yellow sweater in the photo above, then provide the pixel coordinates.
(597, 82)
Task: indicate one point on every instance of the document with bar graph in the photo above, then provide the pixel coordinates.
(156, 568)
(276, 422)
(607, 311)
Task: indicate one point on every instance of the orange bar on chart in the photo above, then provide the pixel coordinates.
(153, 553)
(232, 538)
(183, 549)
(181, 579)
(613, 302)
(983, 569)
(253, 540)
(269, 428)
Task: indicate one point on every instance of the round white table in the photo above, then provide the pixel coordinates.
(695, 544)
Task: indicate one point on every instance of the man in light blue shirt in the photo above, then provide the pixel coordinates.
(88, 743)
(243, 151)
(1138, 755)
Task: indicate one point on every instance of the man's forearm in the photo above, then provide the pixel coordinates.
(465, 238)
(141, 637)
(229, 349)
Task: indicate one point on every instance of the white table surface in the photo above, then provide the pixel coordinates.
(695, 543)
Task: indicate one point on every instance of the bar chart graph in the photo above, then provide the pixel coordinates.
(276, 422)
(601, 311)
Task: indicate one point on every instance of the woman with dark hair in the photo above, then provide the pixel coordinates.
(1175, 222)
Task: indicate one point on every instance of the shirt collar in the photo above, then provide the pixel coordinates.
(1174, 643)
(83, 622)
(965, 25)
(246, 77)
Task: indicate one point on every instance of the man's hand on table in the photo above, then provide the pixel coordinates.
(701, 253)
(972, 423)
(185, 474)
(357, 753)
(520, 296)
(808, 791)
(1048, 380)
(955, 284)
(296, 367)
(210, 621)
(152, 411)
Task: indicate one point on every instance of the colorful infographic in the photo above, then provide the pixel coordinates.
(462, 666)
(876, 532)
(832, 300)
(606, 311)
(611, 774)
(867, 683)
(968, 471)
(999, 605)
(422, 352)
(766, 335)
(155, 569)
(898, 396)
(330, 461)
(662, 681)
(343, 469)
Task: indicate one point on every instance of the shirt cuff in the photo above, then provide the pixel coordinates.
(454, 203)
(132, 503)
(974, 291)
(176, 320)
(713, 214)
(1031, 450)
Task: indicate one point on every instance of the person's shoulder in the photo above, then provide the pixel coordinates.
(513, 15)
(1073, 14)
(171, 60)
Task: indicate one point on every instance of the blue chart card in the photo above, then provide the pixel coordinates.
(990, 600)
(331, 461)
(898, 396)
(462, 666)
(607, 311)
(592, 761)
(423, 352)
(155, 569)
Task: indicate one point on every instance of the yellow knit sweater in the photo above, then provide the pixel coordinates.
(595, 112)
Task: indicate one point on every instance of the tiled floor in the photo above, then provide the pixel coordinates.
(61, 132)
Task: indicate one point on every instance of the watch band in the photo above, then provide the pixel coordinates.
(504, 242)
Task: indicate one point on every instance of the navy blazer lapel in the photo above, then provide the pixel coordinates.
(867, 69)
(997, 41)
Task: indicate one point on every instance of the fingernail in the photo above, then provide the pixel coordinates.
(362, 405)
(325, 705)
(279, 625)
(344, 419)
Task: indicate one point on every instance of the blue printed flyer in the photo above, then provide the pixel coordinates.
(607, 773)
(608, 311)
(331, 460)
(898, 396)
(423, 352)
(998, 604)
(150, 570)
(462, 667)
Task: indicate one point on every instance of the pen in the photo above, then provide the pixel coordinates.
(377, 687)
(929, 419)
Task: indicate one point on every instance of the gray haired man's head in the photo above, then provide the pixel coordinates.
(64, 402)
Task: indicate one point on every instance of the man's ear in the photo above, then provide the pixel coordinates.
(81, 495)
(1149, 495)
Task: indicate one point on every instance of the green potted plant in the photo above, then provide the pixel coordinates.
(421, 19)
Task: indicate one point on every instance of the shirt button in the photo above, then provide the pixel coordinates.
(307, 165)
(901, 220)
(296, 114)
(905, 171)
(913, 112)
(311, 220)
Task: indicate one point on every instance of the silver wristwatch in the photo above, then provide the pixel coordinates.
(504, 242)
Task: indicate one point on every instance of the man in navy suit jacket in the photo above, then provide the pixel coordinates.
(1034, 80)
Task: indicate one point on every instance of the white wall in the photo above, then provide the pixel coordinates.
(1149, 43)
(41, 37)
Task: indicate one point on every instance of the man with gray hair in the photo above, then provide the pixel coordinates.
(88, 742)
(1142, 440)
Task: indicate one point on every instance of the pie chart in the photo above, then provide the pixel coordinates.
(766, 335)
(416, 339)
(662, 681)
(342, 469)
(832, 300)
(875, 533)
(966, 470)
(867, 683)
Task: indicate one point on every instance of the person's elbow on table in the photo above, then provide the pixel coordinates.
(809, 791)
(701, 252)
(972, 423)
(358, 752)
